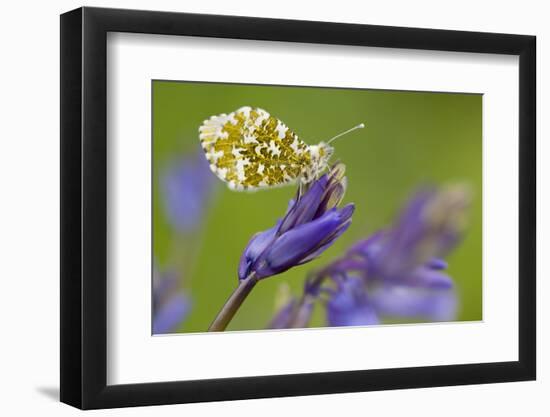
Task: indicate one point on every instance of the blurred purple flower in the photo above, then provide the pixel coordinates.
(402, 301)
(349, 304)
(170, 305)
(283, 318)
(411, 251)
(311, 225)
(399, 272)
(297, 313)
(186, 188)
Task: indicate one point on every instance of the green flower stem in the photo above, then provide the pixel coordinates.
(233, 303)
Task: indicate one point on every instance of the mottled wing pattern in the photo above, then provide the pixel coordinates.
(250, 149)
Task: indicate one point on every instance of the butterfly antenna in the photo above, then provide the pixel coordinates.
(359, 126)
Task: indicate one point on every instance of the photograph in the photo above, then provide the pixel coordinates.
(289, 207)
(264, 206)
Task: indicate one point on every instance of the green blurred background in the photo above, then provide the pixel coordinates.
(411, 139)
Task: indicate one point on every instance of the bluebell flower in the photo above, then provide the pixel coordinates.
(411, 251)
(186, 187)
(310, 226)
(284, 316)
(170, 305)
(399, 272)
(395, 301)
(349, 304)
(296, 313)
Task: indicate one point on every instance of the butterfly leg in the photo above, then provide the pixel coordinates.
(300, 188)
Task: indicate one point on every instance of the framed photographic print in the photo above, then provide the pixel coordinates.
(258, 208)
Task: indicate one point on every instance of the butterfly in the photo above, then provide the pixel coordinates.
(249, 149)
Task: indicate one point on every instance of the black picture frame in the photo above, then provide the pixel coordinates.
(84, 207)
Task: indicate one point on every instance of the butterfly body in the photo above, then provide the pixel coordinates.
(249, 149)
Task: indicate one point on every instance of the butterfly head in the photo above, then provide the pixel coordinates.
(320, 155)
